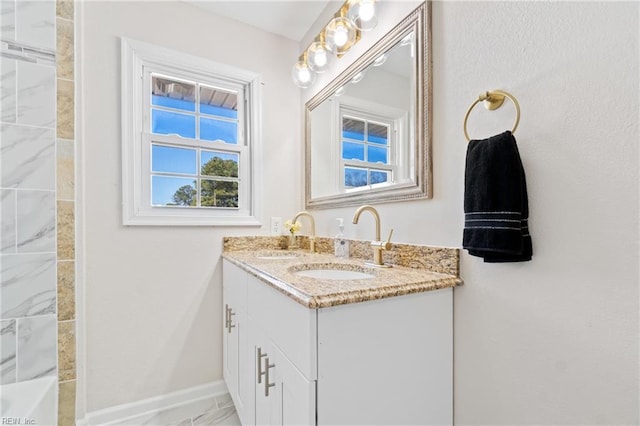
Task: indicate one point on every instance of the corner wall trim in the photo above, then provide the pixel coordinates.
(155, 404)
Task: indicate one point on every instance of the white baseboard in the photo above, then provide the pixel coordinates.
(149, 406)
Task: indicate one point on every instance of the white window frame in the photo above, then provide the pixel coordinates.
(139, 61)
(397, 121)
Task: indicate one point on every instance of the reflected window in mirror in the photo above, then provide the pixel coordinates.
(368, 149)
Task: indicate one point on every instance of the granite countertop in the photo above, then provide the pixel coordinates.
(278, 272)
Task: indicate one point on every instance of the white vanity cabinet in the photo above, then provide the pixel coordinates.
(236, 365)
(380, 362)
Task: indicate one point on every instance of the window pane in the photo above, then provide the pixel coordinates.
(213, 163)
(218, 130)
(173, 94)
(379, 176)
(167, 123)
(352, 128)
(354, 178)
(173, 191)
(376, 154)
(216, 193)
(168, 159)
(218, 102)
(378, 133)
(352, 151)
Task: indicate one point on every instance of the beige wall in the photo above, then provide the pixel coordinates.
(153, 294)
(554, 340)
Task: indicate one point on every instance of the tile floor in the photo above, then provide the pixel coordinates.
(217, 411)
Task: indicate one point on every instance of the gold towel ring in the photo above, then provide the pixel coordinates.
(493, 100)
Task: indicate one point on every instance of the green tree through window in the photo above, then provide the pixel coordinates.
(214, 192)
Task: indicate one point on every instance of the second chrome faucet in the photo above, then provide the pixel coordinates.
(378, 245)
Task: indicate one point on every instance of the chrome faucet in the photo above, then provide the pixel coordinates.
(312, 238)
(377, 245)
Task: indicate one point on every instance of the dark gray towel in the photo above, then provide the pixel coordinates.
(495, 201)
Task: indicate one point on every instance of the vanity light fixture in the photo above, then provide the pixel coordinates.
(379, 60)
(340, 34)
(358, 77)
(363, 14)
(336, 38)
(303, 75)
(319, 55)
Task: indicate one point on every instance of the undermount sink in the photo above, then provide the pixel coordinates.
(277, 254)
(332, 271)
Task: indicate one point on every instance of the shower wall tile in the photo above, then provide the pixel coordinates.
(36, 212)
(64, 9)
(28, 157)
(64, 51)
(8, 89)
(65, 110)
(37, 347)
(66, 233)
(28, 285)
(8, 19)
(66, 350)
(65, 170)
(7, 352)
(36, 94)
(36, 22)
(67, 403)
(66, 290)
(8, 201)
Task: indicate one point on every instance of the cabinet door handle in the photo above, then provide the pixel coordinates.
(260, 372)
(228, 321)
(226, 316)
(267, 385)
(231, 325)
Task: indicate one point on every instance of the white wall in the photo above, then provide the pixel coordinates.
(554, 340)
(549, 341)
(153, 294)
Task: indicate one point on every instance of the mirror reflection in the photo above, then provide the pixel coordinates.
(365, 131)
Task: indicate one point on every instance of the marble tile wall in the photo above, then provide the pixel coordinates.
(27, 185)
(37, 240)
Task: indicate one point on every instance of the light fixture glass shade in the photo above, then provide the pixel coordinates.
(340, 35)
(379, 60)
(362, 13)
(358, 77)
(319, 57)
(302, 75)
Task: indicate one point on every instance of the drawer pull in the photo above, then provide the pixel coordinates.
(231, 324)
(228, 321)
(226, 317)
(267, 385)
(260, 372)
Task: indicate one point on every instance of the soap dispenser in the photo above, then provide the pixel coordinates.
(341, 245)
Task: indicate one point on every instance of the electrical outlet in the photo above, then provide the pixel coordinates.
(276, 226)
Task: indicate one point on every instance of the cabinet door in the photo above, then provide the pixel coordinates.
(284, 396)
(267, 387)
(298, 394)
(237, 367)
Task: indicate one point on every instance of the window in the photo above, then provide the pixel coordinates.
(190, 139)
(369, 152)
